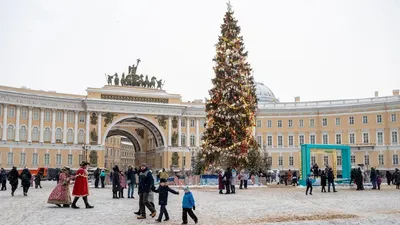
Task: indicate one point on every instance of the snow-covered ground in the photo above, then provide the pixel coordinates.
(254, 206)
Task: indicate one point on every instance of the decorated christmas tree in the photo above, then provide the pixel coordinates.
(232, 105)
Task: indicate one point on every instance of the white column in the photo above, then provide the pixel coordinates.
(99, 124)
(197, 132)
(41, 125)
(53, 126)
(30, 125)
(187, 131)
(169, 131)
(76, 128)
(65, 129)
(179, 131)
(254, 131)
(5, 110)
(17, 123)
(87, 131)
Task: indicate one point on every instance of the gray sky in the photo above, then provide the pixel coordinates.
(314, 49)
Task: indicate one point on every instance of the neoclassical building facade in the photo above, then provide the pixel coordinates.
(49, 129)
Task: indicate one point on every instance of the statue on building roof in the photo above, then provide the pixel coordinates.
(160, 84)
(132, 69)
(116, 79)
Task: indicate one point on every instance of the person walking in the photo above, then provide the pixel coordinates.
(61, 194)
(146, 181)
(123, 184)
(309, 184)
(323, 181)
(25, 180)
(245, 178)
(3, 179)
(96, 178)
(188, 204)
(131, 181)
(388, 177)
(162, 191)
(38, 179)
(227, 176)
(233, 181)
(372, 176)
(102, 178)
(331, 180)
(81, 186)
(396, 178)
(294, 179)
(220, 182)
(378, 179)
(13, 176)
(116, 183)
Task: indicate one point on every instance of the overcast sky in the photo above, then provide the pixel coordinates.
(313, 49)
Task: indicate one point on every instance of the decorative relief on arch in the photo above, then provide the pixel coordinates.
(108, 118)
(140, 132)
(162, 121)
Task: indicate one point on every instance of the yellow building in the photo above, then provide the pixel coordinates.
(49, 129)
(119, 151)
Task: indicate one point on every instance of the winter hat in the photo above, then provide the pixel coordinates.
(162, 180)
(186, 188)
(144, 165)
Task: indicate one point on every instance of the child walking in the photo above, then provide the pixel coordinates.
(163, 190)
(309, 184)
(188, 204)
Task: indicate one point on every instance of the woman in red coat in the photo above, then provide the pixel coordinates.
(221, 185)
(81, 186)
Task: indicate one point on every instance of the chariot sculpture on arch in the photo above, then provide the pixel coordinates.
(134, 79)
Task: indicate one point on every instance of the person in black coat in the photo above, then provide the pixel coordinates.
(96, 178)
(131, 180)
(146, 182)
(323, 181)
(3, 179)
(38, 179)
(388, 177)
(116, 182)
(25, 180)
(163, 190)
(13, 176)
(227, 176)
(331, 180)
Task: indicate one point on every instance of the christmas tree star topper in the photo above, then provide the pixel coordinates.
(229, 5)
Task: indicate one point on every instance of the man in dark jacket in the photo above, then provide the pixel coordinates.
(388, 177)
(131, 180)
(163, 190)
(373, 177)
(116, 184)
(227, 176)
(146, 182)
(331, 180)
(38, 179)
(96, 178)
(396, 178)
(13, 176)
(3, 179)
(25, 180)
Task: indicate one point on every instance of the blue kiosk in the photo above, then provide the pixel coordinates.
(305, 158)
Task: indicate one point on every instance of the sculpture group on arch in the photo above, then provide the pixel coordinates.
(135, 80)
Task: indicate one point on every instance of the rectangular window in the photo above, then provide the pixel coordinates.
(365, 138)
(351, 120)
(290, 123)
(337, 121)
(280, 142)
(395, 159)
(339, 160)
(291, 161)
(47, 116)
(24, 113)
(394, 137)
(326, 160)
(301, 139)
(35, 114)
(338, 139)
(269, 141)
(312, 139)
(80, 159)
(324, 122)
(378, 118)
(379, 136)
(269, 123)
(70, 117)
(22, 159)
(11, 112)
(46, 159)
(291, 141)
(325, 139)
(312, 160)
(59, 116)
(81, 117)
(365, 119)
(279, 123)
(353, 159)
(381, 160)
(183, 122)
(366, 159)
(10, 158)
(58, 159)
(312, 123)
(259, 141)
(394, 117)
(352, 138)
(301, 123)
(35, 159)
(192, 123)
(258, 123)
(280, 161)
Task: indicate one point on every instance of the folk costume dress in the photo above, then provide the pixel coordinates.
(81, 186)
(61, 193)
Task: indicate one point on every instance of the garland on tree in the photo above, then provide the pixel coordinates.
(232, 105)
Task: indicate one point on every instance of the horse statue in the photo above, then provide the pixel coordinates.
(160, 84)
(123, 80)
(141, 81)
(116, 79)
(146, 82)
(109, 79)
(153, 82)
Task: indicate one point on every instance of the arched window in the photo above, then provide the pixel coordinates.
(183, 139)
(70, 136)
(22, 133)
(35, 134)
(10, 132)
(59, 135)
(192, 140)
(81, 136)
(47, 134)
